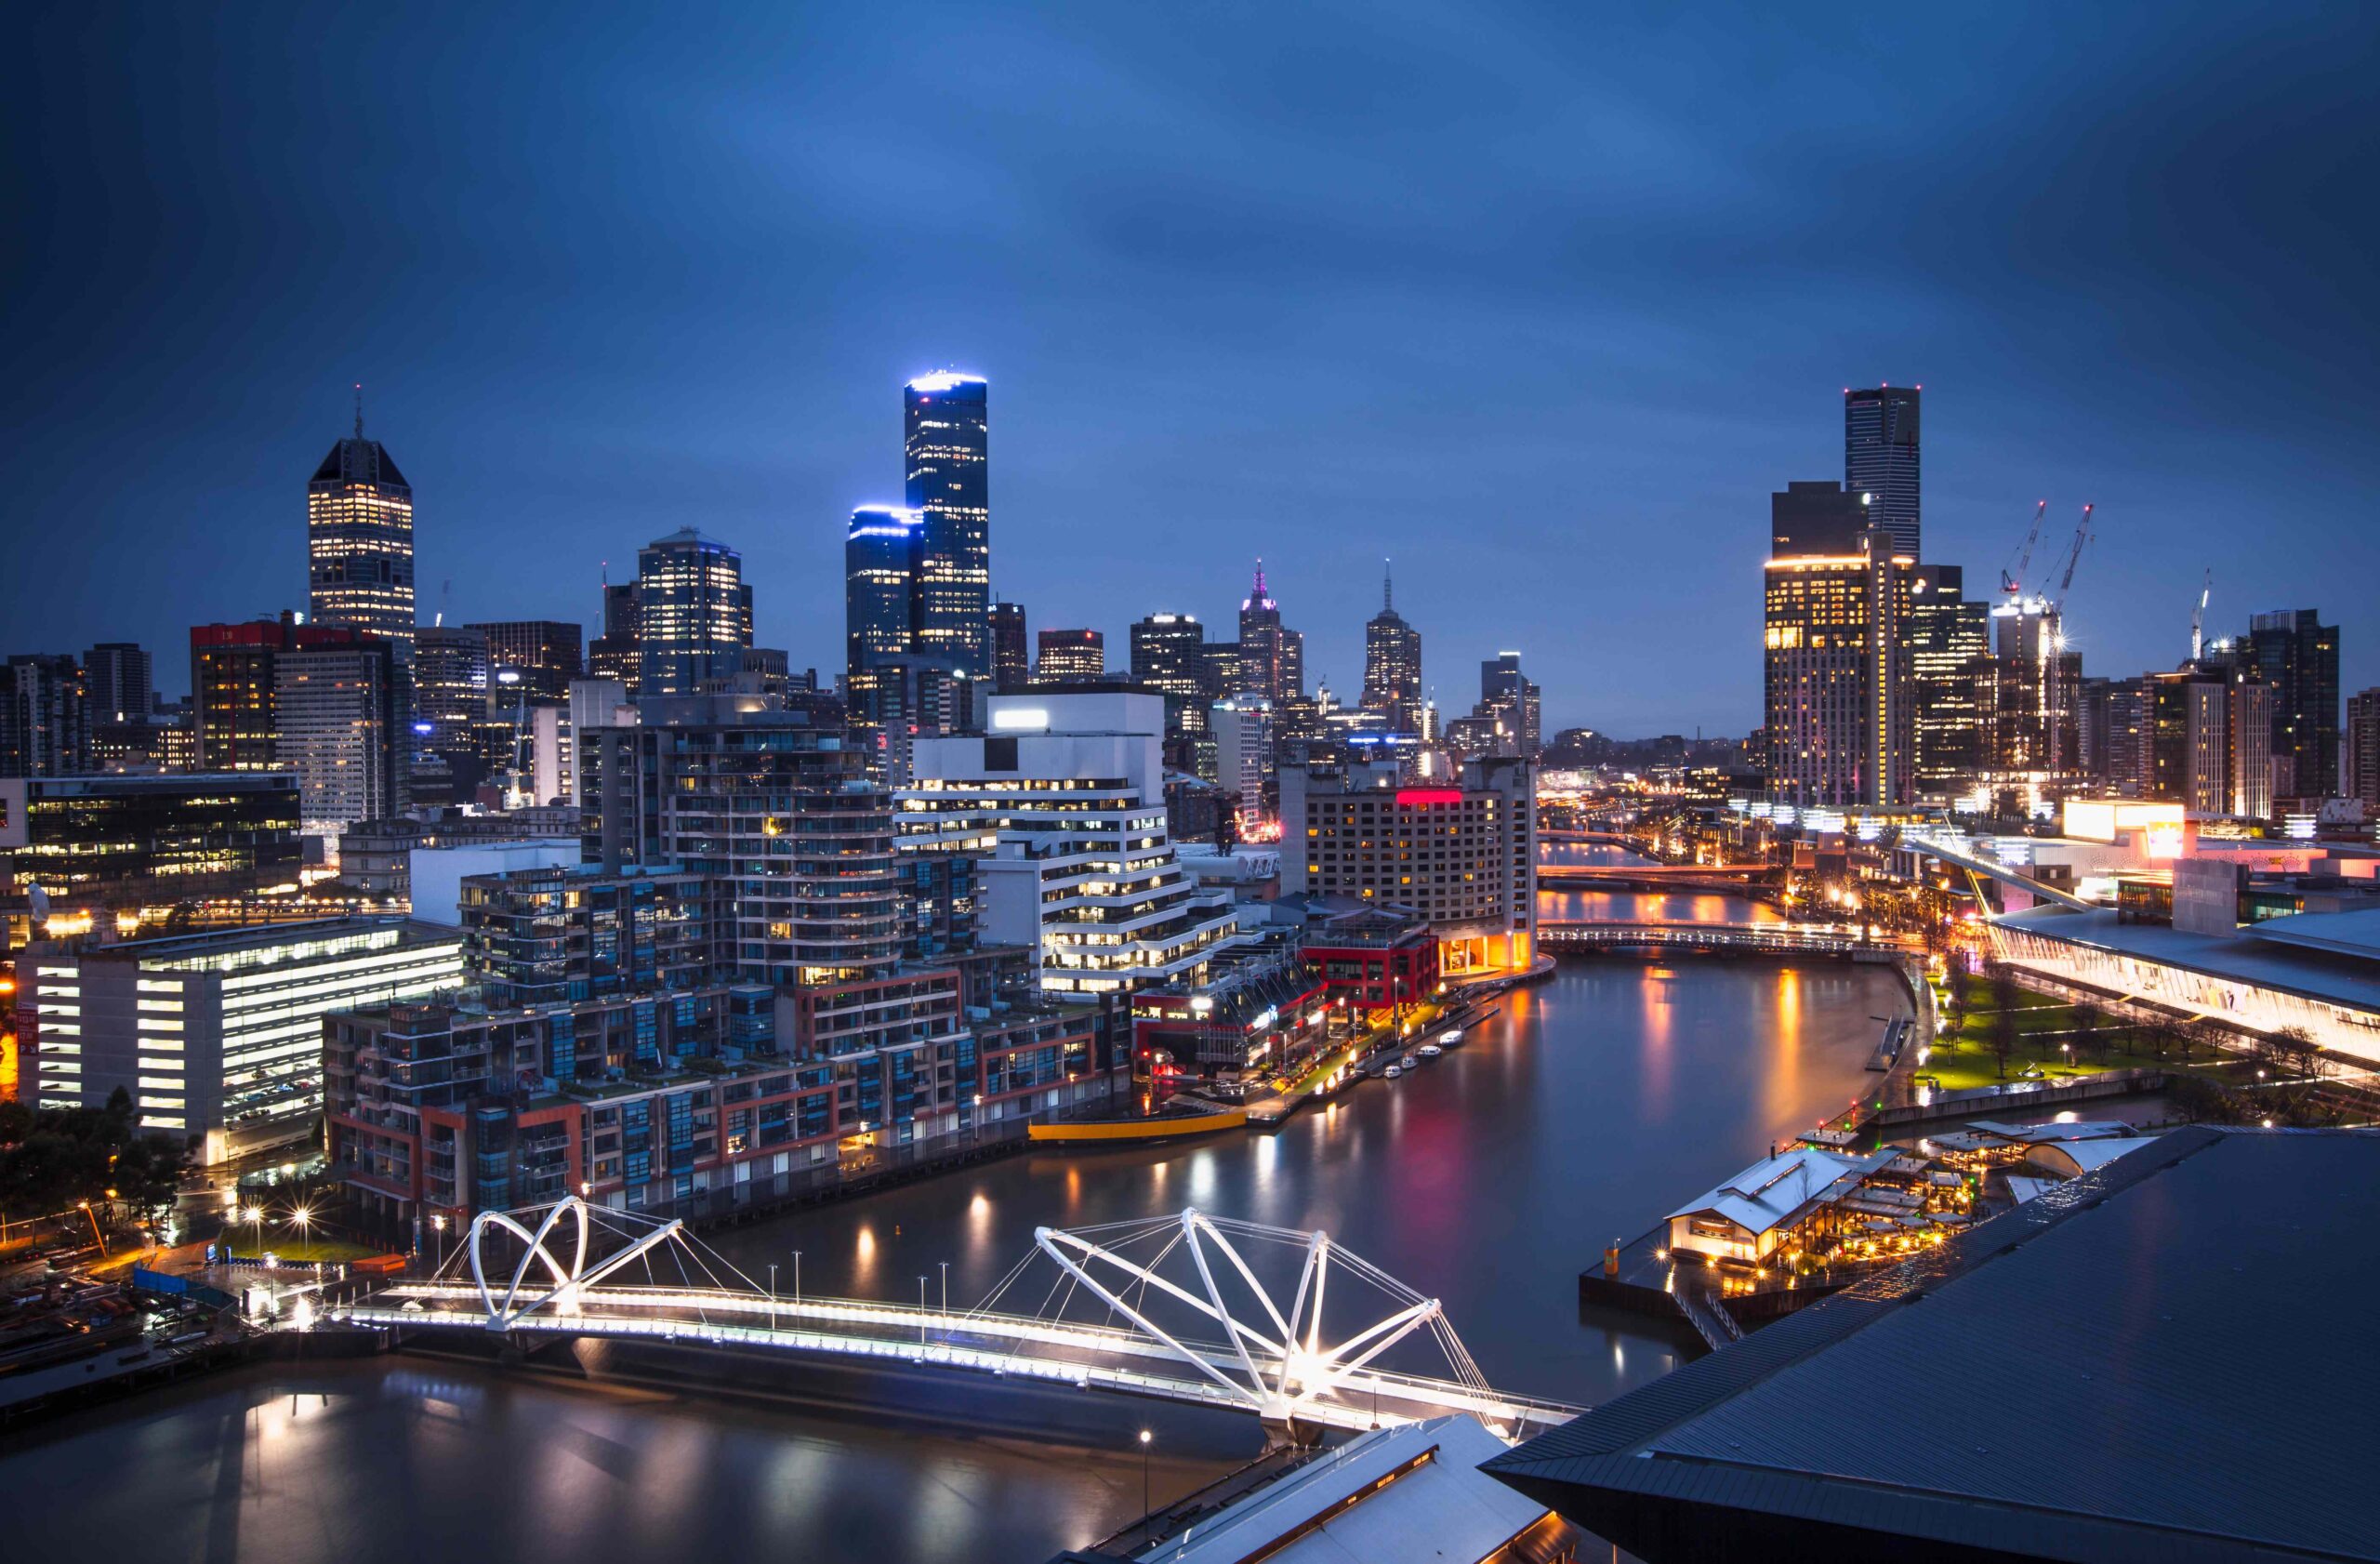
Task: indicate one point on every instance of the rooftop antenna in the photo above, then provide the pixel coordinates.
(358, 409)
(1387, 588)
(2198, 617)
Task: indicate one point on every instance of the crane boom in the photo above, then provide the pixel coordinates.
(2198, 617)
(2074, 555)
(2012, 584)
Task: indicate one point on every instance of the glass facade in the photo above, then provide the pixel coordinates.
(359, 541)
(946, 441)
(694, 614)
(879, 575)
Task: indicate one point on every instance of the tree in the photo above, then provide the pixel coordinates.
(2295, 1049)
(2087, 1036)
(54, 1157)
(2001, 1037)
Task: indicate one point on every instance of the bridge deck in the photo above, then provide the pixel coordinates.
(1084, 1356)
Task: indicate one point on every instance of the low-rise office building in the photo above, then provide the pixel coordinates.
(219, 1035)
(99, 843)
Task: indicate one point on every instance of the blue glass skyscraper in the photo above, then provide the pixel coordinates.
(945, 437)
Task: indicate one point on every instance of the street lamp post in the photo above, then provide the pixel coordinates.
(945, 1291)
(773, 1294)
(921, 1311)
(797, 1279)
(256, 1230)
(438, 1225)
(1147, 1519)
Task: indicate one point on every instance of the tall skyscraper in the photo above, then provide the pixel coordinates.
(879, 575)
(1012, 664)
(359, 541)
(613, 654)
(1950, 650)
(1836, 686)
(2211, 740)
(2034, 726)
(452, 687)
(1393, 663)
(339, 714)
(1272, 657)
(231, 692)
(548, 654)
(1070, 656)
(1170, 655)
(694, 614)
(1509, 698)
(947, 438)
(121, 686)
(2298, 655)
(1880, 459)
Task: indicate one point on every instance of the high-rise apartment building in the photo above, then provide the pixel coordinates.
(2298, 655)
(121, 686)
(359, 541)
(1169, 656)
(1070, 656)
(946, 443)
(782, 806)
(1064, 804)
(879, 584)
(1393, 663)
(694, 614)
(1272, 657)
(2131, 722)
(231, 691)
(2211, 741)
(1011, 649)
(339, 716)
(1836, 678)
(1880, 461)
(2359, 776)
(1950, 670)
(2034, 732)
(546, 654)
(1244, 735)
(45, 716)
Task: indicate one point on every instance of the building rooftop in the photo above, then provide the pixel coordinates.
(2302, 967)
(2072, 1379)
(313, 932)
(2355, 933)
(1774, 1191)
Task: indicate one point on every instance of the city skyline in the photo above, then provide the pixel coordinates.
(2072, 360)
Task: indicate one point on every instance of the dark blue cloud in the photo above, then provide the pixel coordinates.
(1541, 303)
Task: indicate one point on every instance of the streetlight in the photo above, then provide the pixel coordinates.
(102, 1242)
(921, 1311)
(797, 1279)
(1145, 1519)
(301, 1215)
(438, 1224)
(255, 1229)
(945, 1290)
(773, 1294)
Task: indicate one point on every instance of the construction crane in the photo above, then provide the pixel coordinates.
(2198, 617)
(2012, 584)
(2074, 553)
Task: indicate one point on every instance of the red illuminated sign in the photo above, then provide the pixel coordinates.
(1409, 796)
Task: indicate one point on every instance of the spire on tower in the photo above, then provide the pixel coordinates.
(358, 409)
(1387, 588)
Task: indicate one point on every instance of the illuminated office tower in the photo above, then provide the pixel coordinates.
(614, 653)
(1012, 663)
(1271, 656)
(545, 653)
(946, 439)
(694, 614)
(359, 541)
(1070, 656)
(2298, 655)
(2035, 729)
(1880, 459)
(1169, 656)
(1949, 645)
(45, 716)
(1511, 699)
(1393, 663)
(1836, 688)
(880, 573)
(340, 705)
(450, 686)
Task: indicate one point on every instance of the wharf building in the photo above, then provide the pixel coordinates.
(1270, 658)
(546, 653)
(1393, 665)
(217, 1035)
(1837, 688)
(1262, 1008)
(45, 716)
(945, 444)
(359, 541)
(1070, 656)
(694, 614)
(1462, 855)
(1880, 461)
(1062, 805)
(95, 844)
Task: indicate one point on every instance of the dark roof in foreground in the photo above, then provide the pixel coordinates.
(2166, 1359)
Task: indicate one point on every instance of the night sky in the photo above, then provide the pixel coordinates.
(1544, 306)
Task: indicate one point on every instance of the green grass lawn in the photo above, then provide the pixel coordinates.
(288, 1246)
(1963, 1058)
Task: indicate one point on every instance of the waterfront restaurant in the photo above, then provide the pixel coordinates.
(1781, 1202)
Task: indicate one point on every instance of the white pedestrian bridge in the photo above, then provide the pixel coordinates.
(1185, 1309)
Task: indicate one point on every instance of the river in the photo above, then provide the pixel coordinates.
(1593, 1104)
